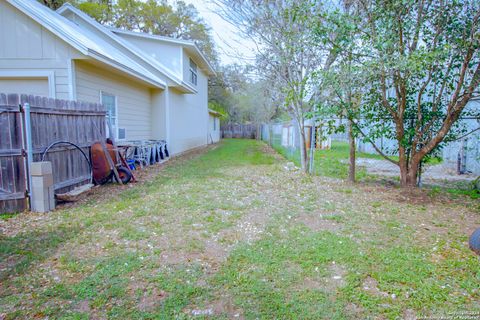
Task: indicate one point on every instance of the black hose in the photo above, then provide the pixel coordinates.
(72, 144)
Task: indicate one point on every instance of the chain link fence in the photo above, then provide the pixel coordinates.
(331, 159)
(284, 137)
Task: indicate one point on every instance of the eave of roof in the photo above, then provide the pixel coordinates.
(184, 43)
(74, 36)
(67, 7)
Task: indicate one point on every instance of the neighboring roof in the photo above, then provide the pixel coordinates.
(215, 113)
(187, 44)
(67, 7)
(88, 43)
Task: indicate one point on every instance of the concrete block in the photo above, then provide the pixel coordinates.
(40, 206)
(41, 168)
(51, 197)
(39, 193)
(42, 181)
(48, 179)
(43, 200)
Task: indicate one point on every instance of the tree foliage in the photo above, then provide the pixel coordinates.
(412, 66)
(422, 67)
(241, 99)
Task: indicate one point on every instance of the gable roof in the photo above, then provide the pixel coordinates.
(188, 45)
(139, 53)
(85, 41)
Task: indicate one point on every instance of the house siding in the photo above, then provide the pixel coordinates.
(166, 54)
(214, 129)
(134, 101)
(27, 46)
(189, 118)
(145, 110)
(467, 148)
(186, 68)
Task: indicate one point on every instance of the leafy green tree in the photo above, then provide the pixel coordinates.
(241, 99)
(100, 11)
(423, 67)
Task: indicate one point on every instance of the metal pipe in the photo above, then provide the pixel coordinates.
(312, 146)
(28, 134)
(24, 147)
(90, 168)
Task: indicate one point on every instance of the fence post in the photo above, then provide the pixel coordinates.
(313, 139)
(28, 141)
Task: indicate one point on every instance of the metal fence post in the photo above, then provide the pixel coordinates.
(28, 141)
(312, 146)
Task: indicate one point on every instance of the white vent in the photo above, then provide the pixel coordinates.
(122, 134)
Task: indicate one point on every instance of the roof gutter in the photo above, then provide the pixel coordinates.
(124, 68)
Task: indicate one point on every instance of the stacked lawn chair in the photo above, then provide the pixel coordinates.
(147, 152)
(159, 151)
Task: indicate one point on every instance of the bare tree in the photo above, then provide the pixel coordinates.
(287, 52)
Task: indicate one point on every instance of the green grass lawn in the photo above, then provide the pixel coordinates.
(230, 234)
(332, 162)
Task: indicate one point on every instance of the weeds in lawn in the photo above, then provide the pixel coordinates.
(231, 234)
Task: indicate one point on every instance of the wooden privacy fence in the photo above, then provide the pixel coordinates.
(52, 120)
(245, 131)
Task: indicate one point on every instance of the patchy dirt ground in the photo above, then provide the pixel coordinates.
(232, 232)
(433, 174)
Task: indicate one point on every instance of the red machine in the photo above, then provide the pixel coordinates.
(101, 167)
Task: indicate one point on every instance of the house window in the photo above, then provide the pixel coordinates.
(193, 72)
(110, 103)
(214, 124)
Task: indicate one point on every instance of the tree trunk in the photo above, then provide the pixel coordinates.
(413, 173)
(351, 140)
(409, 174)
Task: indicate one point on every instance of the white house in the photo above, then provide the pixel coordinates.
(213, 126)
(153, 87)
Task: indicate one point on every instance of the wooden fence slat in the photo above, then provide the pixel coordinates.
(245, 131)
(52, 120)
(3, 99)
(12, 196)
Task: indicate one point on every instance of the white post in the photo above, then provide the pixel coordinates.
(28, 140)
